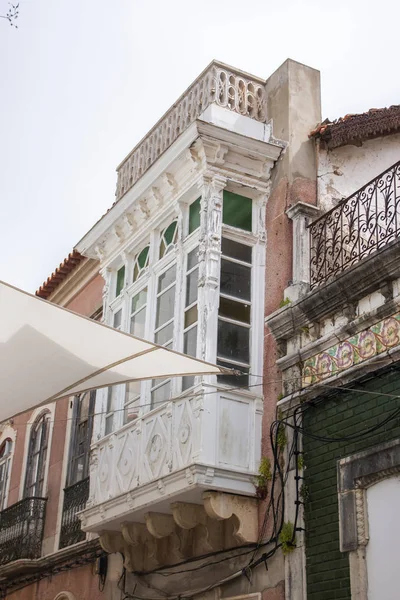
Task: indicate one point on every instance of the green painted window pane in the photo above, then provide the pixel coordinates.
(237, 211)
(120, 280)
(170, 233)
(194, 215)
(142, 258)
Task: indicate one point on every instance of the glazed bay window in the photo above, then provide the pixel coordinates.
(191, 311)
(120, 283)
(164, 327)
(138, 314)
(234, 315)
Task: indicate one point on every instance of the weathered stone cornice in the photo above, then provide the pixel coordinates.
(205, 148)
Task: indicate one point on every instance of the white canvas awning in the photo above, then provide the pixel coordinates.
(48, 352)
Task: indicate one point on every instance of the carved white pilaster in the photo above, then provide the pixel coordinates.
(210, 263)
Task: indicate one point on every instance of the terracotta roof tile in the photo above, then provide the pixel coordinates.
(352, 129)
(63, 270)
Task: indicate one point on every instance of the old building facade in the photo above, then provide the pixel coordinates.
(338, 338)
(237, 236)
(44, 475)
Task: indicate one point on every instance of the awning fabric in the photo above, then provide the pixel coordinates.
(48, 352)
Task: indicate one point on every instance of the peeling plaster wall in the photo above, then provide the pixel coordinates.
(343, 171)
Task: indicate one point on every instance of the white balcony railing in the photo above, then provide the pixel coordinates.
(219, 84)
(177, 451)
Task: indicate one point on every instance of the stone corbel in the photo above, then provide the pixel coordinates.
(118, 233)
(130, 221)
(187, 515)
(144, 207)
(170, 183)
(195, 157)
(159, 524)
(222, 506)
(143, 555)
(111, 541)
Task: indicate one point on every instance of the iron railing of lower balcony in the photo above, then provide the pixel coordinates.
(356, 227)
(75, 498)
(21, 530)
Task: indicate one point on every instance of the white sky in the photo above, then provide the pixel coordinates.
(83, 81)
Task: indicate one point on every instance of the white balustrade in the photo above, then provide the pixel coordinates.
(219, 84)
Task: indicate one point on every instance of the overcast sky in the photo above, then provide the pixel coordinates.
(82, 82)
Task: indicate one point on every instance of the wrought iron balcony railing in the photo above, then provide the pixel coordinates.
(355, 228)
(75, 498)
(21, 530)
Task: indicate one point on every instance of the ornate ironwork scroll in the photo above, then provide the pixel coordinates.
(75, 498)
(21, 530)
(355, 228)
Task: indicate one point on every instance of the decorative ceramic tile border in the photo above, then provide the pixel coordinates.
(364, 345)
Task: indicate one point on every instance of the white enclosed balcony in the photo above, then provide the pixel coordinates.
(182, 252)
(207, 441)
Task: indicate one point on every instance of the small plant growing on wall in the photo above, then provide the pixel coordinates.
(264, 476)
(281, 439)
(287, 538)
(284, 302)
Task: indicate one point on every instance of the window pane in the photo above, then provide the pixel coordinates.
(120, 280)
(131, 412)
(166, 279)
(187, 382)
(165, 307)
(164, 335)
(192, 259)
(191, 287)
(117, 319)
(235, 280)
(139, 300)
(132, 401)
(109, 424)
(234, 310)
(161, 394)
(169, 233)
(142, 258)
(194, 215)
(138, 323)
(233, 342)
(237, 211)
(132, 391)
(236, 250)
(233, 380)
(191, 316)
(190, 342)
